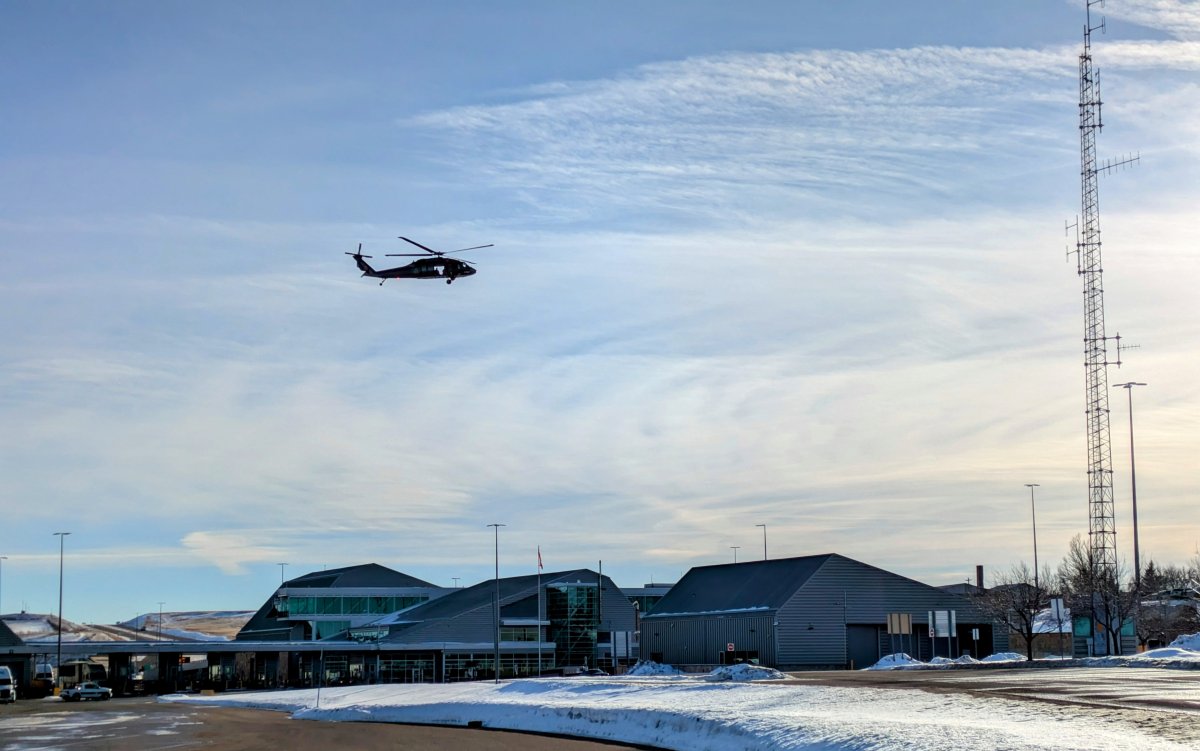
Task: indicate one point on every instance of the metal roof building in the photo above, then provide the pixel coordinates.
(810, 612)
(324, 603)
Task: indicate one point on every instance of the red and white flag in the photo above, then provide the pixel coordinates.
(539, 557)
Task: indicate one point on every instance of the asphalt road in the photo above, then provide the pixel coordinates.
(1163, 702)
(142, 724)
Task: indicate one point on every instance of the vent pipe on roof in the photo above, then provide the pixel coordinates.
(979, 576)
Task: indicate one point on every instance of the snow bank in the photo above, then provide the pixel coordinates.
(688, 713)
(898, 661)
(1190, 642)
(650, 667)
(1005, 657)
(744, 672)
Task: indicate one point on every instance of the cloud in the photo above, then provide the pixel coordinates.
(745, 136)
(821, 290)
(1179, 18)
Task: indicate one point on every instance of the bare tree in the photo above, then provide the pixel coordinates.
(1015, 599)
(1084, 591)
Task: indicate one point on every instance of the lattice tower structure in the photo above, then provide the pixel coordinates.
(1102, 531)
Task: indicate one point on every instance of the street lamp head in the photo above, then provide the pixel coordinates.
(1032, 485)
(1128, 385)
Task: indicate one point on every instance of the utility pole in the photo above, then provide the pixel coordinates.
(1137, 560)
(734, 548)
(764, 527)
(496, 602)
(58, 660)
(1033, 509)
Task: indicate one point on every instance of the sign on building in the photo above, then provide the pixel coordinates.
(899, 623)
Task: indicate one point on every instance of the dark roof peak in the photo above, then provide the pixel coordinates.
(363, 575)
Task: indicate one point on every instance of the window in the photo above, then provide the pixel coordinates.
(518, 633)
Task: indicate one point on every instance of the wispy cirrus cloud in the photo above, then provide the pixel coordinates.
(799, 133)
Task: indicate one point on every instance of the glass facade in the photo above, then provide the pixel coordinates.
(574, 618)
(326, 629)
(293, 605)
(519, 633)
(473, 666)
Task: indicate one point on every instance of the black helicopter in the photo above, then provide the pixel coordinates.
(433, 264)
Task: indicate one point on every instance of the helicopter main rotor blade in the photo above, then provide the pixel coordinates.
(420, 255)
(419, 245)
(473, 247)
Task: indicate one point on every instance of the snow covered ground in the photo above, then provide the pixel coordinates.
(689, 712)
(1182, 654)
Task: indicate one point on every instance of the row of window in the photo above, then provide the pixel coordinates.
(372, 605)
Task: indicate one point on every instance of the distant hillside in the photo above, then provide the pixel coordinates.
(215, 625)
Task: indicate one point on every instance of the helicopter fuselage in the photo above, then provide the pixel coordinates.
(424, 268)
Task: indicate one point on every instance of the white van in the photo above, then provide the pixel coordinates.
(8, 688)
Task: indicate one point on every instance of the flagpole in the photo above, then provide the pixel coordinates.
(539, 613)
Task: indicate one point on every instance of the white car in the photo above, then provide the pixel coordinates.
(86, 690)
(8, 689)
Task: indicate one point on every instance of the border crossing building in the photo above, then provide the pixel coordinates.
(812, 612)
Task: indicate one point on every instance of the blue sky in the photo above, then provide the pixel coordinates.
(799, 264)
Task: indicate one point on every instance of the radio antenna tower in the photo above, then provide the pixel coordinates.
(1102, 531)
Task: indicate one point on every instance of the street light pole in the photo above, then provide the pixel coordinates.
(58, 660)
(160, 604)
(281, 566)
(1033, 509)
(734, 548)
(3, 558)
(496, 604)
(1137, 561)
(764, 539)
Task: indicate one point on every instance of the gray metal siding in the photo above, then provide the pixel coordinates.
(843, 591)
(692, 640)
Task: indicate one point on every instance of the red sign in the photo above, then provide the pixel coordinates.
(729, 647)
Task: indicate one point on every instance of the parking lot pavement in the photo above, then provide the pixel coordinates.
(1164, 702)
(145, 725)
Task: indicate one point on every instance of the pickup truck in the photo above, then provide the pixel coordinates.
(86, 690)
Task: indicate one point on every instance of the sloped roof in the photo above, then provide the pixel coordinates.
(480, 595)
(365, 575)
(263, 626)
(738, 587)
(8, 638)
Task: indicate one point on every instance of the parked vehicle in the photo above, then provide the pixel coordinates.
(72, 672)
(86, 690)
(43, 681)
(8, 687)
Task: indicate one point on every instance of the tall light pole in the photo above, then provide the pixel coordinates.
(282, 567)
(496, 603)
(1033, 509)
(764, 539)
(160, 604)
(58, 660)
(3, 558)
(734, 548)
(456, 578)
(1137, 561)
